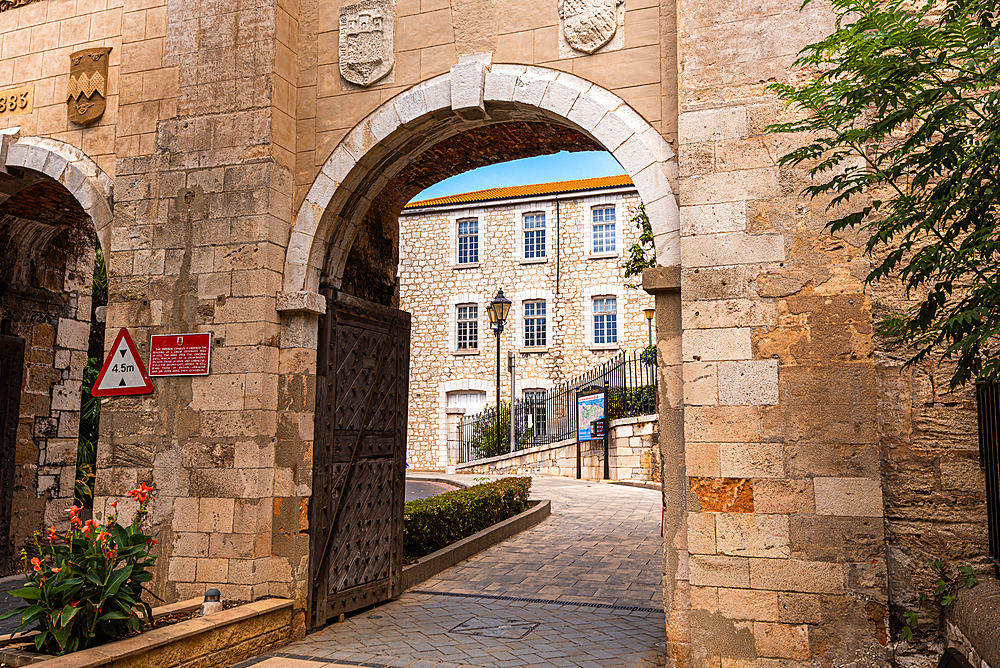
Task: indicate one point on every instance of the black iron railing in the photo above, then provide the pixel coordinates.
(988, 408)
(549, 417)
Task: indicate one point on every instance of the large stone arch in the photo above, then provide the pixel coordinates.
(469, 96)
(68, 165)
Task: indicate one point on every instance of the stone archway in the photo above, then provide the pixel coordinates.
(55, 211)
(365, 177)
(473, 94)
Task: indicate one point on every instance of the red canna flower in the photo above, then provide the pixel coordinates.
(50, 533)
(89, 527)
(56, 570)
(36, 563)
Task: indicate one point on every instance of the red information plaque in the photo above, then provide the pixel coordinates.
(180, 354)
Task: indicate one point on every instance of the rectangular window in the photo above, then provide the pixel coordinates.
(468, 327)
(534, 235)
(604, 229)
(468, 241)
(534, 324)
(605, 320)
(535, 400)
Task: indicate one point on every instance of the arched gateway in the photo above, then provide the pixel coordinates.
(363, 349)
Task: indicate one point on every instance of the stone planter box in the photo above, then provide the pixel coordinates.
(218, 640)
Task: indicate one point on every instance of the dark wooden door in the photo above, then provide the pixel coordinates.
(359, 457)
(11, 371)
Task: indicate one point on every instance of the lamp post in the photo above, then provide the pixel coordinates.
(649, 313)
(498, 310)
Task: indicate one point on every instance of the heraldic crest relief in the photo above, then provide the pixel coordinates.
(367, 41)
(88, 83)
(588, 25)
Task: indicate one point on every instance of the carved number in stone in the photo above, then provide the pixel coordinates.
(367, 41)
(589, 24)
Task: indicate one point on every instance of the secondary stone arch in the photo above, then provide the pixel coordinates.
(474, 94)
(62, 162)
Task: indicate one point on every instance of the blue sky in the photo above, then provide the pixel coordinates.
(561, 166)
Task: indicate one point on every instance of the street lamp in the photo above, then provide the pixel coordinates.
(498, 310)
(649, 313)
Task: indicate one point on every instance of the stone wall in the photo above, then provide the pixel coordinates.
(632, 448)
(432, 284)
(784, 510)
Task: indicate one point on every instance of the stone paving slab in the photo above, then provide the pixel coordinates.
(587, 581)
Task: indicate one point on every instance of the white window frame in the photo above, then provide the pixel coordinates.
(592, 225)
(524, 324)
(529, 209)
(465, 299)
(534, 231)
(460, 321)
(524, 395)
(599, 292)
(522, 297)
(458, 240)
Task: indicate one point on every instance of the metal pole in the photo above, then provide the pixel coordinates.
(498, 391)
(649, 328)
(607, 434)
(510, 367)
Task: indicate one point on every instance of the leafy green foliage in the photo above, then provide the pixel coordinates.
(626, 402)
(484, 430)
(648, 356)
(86, 453)
(945, 592)
(432, 523)
(640, 255)
(904, 125)
(85, 588)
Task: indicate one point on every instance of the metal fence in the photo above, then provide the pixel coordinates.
(547, 417)
(988, 408)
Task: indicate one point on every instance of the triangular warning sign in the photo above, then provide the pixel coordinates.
(123, 372)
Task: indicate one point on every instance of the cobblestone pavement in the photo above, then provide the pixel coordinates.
(581, 589)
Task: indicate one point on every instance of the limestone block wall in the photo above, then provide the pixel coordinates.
(432, 285)
(37, 40)
(785, 515)
(632, 450)
(430, 37)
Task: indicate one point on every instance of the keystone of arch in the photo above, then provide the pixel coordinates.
(565, 98)
(71, 167)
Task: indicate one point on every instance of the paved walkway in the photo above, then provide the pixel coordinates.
(581, 589)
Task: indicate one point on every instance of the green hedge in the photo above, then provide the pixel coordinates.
(430, 524)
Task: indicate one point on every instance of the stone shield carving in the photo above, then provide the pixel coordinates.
(88, 82)
(589, 24)
(367, 41)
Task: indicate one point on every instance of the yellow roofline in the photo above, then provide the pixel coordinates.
(524, 191)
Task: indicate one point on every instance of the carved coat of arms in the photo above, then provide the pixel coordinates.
(88, 85)
(366, 41)
(589, 24)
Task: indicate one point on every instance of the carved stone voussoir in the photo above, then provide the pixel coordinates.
(88, 85)
(367, 41)
(589, 25)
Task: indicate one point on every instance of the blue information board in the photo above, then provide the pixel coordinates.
(590, 412)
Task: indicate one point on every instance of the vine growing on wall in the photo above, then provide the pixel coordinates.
(642, 254)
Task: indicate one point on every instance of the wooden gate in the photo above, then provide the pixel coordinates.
(359, 456)
(11, 370)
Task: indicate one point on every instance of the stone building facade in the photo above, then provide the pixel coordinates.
(556, 250)
(239, 166)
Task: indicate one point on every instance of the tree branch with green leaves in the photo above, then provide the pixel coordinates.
(903, 125)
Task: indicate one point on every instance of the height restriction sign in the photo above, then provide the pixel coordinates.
(123, 372)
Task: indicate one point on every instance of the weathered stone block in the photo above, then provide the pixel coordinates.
(719, 571)
(793, 575)
(701, 533)
(722, 424)
(848, 497)
(717, 344)
(748, 383)
(712, 125)
(782, 641)
(750, 604)
(735, 248)
(752, 535)
(721, 495)
(751, 460)
(784, 496)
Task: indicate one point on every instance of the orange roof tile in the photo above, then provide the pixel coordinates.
(525, 191)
